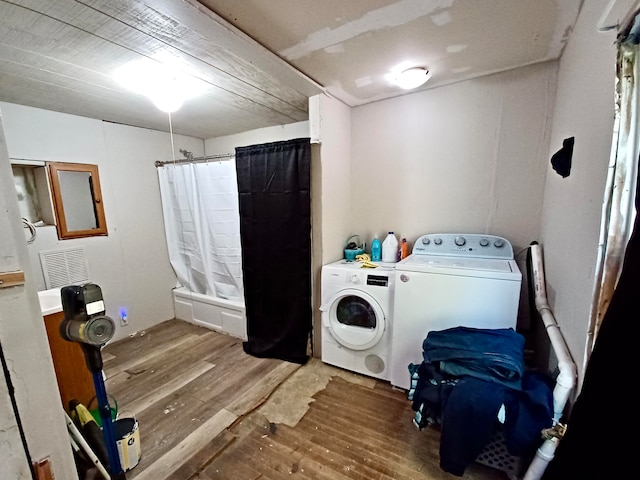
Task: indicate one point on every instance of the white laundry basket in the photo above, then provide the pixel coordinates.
(496, 455)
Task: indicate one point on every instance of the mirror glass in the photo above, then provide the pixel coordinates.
(75, 189)
(77, 197)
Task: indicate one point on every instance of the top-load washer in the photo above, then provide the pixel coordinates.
(356, 317)
(451, 280)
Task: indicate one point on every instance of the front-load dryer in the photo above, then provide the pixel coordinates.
(451, 280)
(356, 310)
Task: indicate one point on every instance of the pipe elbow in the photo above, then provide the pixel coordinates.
(543, 307)
(568, 374)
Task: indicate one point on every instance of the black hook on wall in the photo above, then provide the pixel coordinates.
(561, 160)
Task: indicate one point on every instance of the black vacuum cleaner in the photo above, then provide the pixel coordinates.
(85, 322)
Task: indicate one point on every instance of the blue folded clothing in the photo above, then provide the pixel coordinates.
(494, 355)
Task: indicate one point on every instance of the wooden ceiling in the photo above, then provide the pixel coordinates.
(60, 55)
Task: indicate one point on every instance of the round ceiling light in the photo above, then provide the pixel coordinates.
(166, 85)
(412, 77)
(167, 102)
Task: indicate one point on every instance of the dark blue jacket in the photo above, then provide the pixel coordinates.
(494, 355)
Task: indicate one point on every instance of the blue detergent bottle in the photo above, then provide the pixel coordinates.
(376, 249)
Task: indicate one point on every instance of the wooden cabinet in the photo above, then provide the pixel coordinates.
(74, 378)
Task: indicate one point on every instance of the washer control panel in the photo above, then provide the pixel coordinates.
(463, 245)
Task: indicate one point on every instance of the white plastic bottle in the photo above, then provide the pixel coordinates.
(390, 248)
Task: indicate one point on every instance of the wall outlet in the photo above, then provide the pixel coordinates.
(124, 319)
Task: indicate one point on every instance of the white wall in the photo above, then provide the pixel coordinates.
(131, 264)
(338, 183)
(330, 193)
(228, 144)
(141, 276)
(25, 348)
(572, 206)
(466, 157)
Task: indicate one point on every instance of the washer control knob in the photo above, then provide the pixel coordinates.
(460, 241)
(484, 242)
(354, 279)
(437, 241)
(498, 243)
(426, 241)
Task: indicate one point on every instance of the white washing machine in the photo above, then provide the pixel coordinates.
(356, 310)
(451, 280)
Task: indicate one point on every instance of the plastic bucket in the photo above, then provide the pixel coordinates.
(127, 434)
(95, 411)
(350, 253)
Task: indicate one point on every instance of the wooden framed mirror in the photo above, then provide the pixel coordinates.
(77, 200)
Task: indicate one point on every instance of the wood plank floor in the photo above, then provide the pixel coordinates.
(208, 411)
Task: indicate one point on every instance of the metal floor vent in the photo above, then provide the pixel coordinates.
(64, 267)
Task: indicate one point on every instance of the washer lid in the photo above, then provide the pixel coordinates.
(355, 319)
(480, 267)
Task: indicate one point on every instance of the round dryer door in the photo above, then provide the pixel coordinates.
(355, 319)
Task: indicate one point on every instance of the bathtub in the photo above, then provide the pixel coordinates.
(220, 314)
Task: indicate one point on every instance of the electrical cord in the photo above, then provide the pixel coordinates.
(32, 229)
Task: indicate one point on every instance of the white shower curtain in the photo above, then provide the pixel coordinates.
(202, 225)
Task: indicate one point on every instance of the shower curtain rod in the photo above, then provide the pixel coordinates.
(189, 158)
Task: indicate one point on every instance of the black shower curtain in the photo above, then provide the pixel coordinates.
(274, 181)
(600, 442)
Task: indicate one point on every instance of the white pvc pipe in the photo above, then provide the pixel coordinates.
(543, 456)
(76, 436)
(566, 380)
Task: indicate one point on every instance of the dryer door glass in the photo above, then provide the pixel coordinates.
(355, 319)
(356, 311)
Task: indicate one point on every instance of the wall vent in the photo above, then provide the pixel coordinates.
(64, 267)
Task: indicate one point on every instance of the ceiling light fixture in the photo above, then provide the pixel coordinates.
(168, 88)
(412, 77)
(167, 102)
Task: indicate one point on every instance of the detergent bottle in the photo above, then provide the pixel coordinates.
(404, 248)
(376, 249)
(390, 248)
